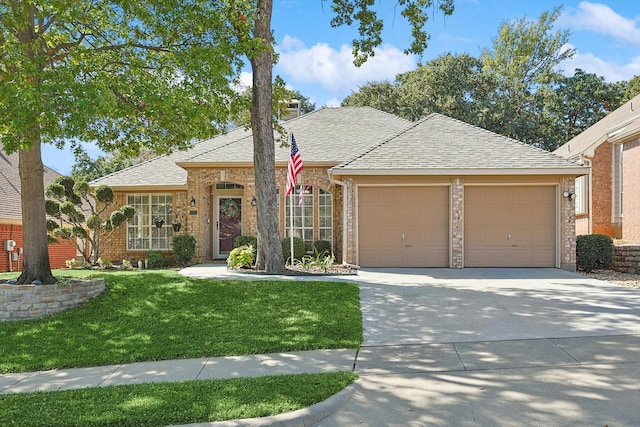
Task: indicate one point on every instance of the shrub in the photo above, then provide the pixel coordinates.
(71, 263)
(321, 248)
(245, 241)
(594, 251)
(126, 265)
(104, 262)
(299, 248)
(156, 259)
(241, 257)
(184, 247)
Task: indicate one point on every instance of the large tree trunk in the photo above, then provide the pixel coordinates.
(34, 222)
(269, 257)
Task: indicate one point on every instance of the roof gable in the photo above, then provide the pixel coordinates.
(327, 136)
(613, 127)
(441, 145)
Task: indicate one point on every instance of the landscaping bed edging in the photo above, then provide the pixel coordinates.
(626, 258)
(19, 302)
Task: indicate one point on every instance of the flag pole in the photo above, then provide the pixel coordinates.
(291, 223)
(294, 167)
(295, 178)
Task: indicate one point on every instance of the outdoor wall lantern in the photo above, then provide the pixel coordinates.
(569, 195)
(254, 202)
(193, 202)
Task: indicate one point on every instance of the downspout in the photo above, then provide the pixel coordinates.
(344, 216)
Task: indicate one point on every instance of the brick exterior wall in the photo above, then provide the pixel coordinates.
(58, 253)
(601, 188)
(567, 226)
(200, 221)
(631, 191)
(457, 223)
(114, 248)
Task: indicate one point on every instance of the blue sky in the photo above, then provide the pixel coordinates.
(316, 59)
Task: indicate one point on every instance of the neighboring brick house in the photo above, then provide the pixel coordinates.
(11, 218)
(382, 190)
(608, 200)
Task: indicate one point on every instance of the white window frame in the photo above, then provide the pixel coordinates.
(142, 232)
(582, 195)
(617, 183)
(325, 216)
(303, 216)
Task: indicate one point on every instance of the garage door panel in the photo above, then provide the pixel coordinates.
(419, 214)
(510, 226)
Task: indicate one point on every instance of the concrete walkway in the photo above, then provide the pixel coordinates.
(481, 347)
(180, 370)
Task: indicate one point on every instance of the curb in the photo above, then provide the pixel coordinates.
(300, 418)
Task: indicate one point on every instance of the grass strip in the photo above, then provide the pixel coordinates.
(161, 315)
(164, 404)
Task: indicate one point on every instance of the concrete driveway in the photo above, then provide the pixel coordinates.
(495, 347)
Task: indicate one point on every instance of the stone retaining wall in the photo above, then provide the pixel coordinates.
(19, 302)
(626, 258)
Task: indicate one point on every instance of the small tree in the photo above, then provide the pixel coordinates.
(80, 214)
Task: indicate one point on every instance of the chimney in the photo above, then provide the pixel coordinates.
(293, 110)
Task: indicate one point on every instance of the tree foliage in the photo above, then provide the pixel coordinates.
(84, 217)
(126, 75)
(363, 14)
(514, 88)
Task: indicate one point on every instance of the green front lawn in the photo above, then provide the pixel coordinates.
(158, 315)
(164, 404)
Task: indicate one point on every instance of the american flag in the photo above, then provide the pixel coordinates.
(295, 166)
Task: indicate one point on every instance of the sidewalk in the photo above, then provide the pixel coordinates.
(180, 370)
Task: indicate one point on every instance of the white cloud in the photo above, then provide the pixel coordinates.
(246, 79)
(333, 102)
(600, 18)
(334, 69)
(590, 63)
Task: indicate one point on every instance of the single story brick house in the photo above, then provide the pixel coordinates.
(608, 200)
(11, 218)
(385, 192)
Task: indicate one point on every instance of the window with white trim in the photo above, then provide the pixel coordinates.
(325, 216)
(617, 182)
(582, 195)
(150, 228)
(302, 214)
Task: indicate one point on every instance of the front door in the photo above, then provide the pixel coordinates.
(229, 224)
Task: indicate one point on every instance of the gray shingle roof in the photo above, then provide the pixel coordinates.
(332, 136)
(10, 190)
(327, 136)
(440, 145)
(618, 123)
